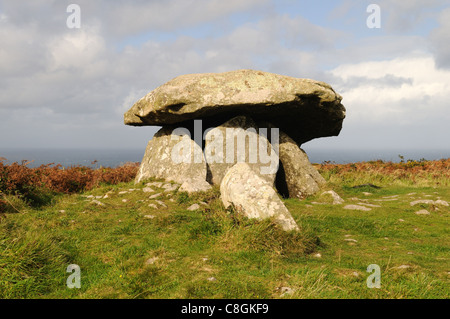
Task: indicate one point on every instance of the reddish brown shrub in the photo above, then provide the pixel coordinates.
(32, 183)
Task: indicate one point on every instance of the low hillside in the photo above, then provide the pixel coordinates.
(148, 240)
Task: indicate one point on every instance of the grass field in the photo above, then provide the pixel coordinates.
(128, 249)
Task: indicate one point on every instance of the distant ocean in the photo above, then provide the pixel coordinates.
(114, 158)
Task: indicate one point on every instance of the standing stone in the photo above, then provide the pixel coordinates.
(238, 140)
(254, 197)
(172, 155)
(302, 179)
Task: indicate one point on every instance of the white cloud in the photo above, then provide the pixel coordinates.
(420, 92)
(77, 49)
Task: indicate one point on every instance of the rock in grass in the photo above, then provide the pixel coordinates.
(193, 207)
(98, 202)
(336, 198)
(441, 202)
(161, 203)
(194, 185)
(151, 261)
(422, 212)
(156, 184)
(169, 187)
(357, 207)
(429, 202)
(370, 205)
(254, 197)
(286, 291)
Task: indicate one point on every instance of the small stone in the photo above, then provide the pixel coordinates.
(286, 291)
(62, 211)
(90, 196)
(193, 207)
(357, 207)
(123, 192)
(106, 196)
(422, 212)
(151, 261)
(147, 190)
(193, 185)
(155, 196)
(124, 200)
(441, 202)
(401, 220)
(153, 206)
(171, 189)
(336, 198)
(156, 184)
(421, 201)
(351, 240)
(317, 255)
(98, 197)
(370, 205)
(161, 203)
(367, 194)
(211, 279)
(98, 203)
(149, 216)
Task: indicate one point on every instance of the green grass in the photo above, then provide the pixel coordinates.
(214, 253)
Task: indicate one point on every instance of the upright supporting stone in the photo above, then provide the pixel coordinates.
(238, 140)
(302, 179)
(173, 156)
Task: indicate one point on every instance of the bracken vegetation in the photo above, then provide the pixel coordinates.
(36, 186)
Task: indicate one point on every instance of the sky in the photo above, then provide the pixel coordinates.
(65, 88)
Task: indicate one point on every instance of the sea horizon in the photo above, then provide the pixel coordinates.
(115, 157)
